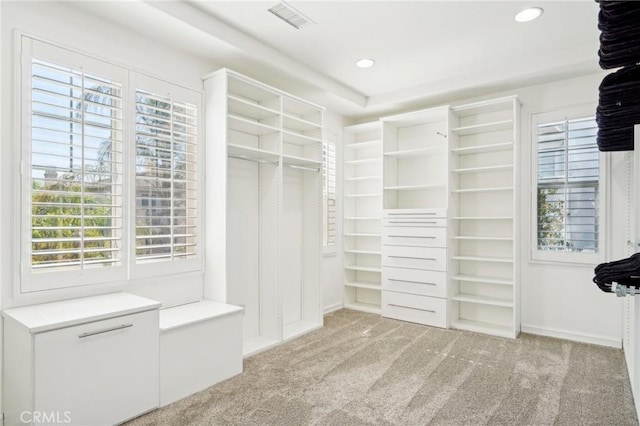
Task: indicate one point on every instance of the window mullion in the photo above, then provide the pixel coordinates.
(82, 169)
(566, 185)
(171, 192)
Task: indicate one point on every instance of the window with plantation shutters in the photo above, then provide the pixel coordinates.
(165, 178)
(329, 193)
(75, 169)
(569, 186)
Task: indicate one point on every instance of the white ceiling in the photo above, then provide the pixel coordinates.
(424, 50)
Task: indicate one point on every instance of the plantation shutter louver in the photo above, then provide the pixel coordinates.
(568, 186)
(166, 179)
(329, 192)
(75, 169)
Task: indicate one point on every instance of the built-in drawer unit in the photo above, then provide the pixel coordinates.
(415, 281)
(419, 236)
(430, 258)
(415, 308)
(414, 213)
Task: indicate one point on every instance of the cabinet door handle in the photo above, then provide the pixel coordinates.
(93, 333)
(409, 214)
(407, 281)
(410, 307)
(413, 221)
(412, 257)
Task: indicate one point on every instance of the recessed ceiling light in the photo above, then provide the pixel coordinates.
(365, 63)
(529, 14)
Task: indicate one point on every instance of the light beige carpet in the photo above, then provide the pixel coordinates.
(361, 369)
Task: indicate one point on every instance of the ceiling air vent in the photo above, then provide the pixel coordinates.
(291, 16)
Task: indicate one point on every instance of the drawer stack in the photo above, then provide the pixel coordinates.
(414, 265)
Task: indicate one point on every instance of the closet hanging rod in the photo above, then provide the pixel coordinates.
(256, 160)
(310, 169)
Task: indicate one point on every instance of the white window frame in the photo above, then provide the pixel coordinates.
(329, 247)
(29, 47)
(569, 113)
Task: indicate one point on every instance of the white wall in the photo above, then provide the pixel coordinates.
(71, 27)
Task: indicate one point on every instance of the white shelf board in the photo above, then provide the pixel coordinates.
(296, 124)
(355, 251)
(251, 127)
(484, 107)
(361, 234)
(414, 187)
(482, 300)
(483, 327)
(483, 280)
(362, 161)
(364, 307)
(374, 194)
(475, 238)
(363, 284)
(249, 153)
(493, 126)
(302, 162)
(363, 268)
(494, 147)
(364, 144)
(411, 153)
(490, 189)
(362, 178)
(299, 139)
(245, 108)
(484, 169)
(484, 259)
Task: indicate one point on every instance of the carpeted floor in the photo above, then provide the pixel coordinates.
(361, 369)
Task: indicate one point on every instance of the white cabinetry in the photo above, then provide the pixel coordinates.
(90, 361)
(263, 207)
(414, 244)
(362, 202)
(484, 288)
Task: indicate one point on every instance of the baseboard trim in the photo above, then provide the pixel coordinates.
(571, 335)
(332, 308)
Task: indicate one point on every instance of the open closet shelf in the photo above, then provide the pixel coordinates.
(298, 124)
(363, 268)
(407, 153)
(482, 218)
(242, 107)
(483, 327)
(480, 279)
(484, 259)
(362, 234)
(251, 127)
(291, 160)
(496, 168)
(356, 251)
(414, 187)
(363, 284)
(484, 127)
(494, 147)
(486, 189)
(364, 144)
(373, 194)
(362, 161)
(363, 218)
(482, 300)
(362, 178)
(364, 307)
(298, 138)
(248, 153)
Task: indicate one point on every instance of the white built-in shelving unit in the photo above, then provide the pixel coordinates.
(263, 207)
(414, 228)
(483, 276)
(362, 201)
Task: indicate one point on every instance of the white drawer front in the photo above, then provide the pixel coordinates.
(410, 307)
(415, 222)
(419, 236)
(415, 281)
(433, 259)
(414, 213)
